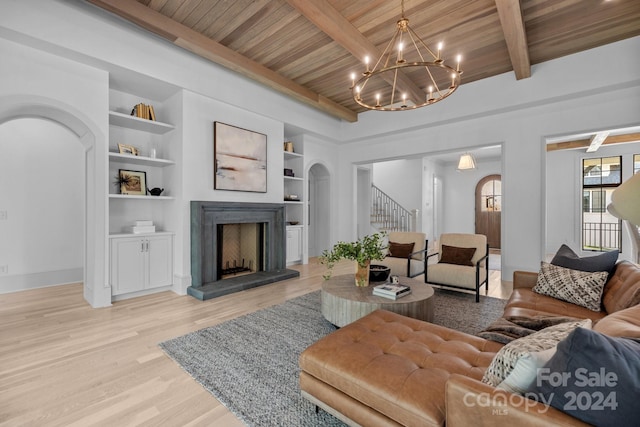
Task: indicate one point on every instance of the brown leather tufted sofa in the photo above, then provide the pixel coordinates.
(386, 369)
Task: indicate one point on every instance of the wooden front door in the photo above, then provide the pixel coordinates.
(489, 208)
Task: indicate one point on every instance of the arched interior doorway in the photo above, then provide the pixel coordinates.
(489, 209)
(96, 288)
(319, 209)
(42, 234)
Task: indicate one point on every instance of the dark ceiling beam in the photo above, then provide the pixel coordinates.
(512, 23)
(332, 23)
(191, 40)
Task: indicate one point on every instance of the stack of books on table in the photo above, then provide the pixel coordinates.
(144, 227)
(391, 291)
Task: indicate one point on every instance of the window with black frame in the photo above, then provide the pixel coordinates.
(600, 229)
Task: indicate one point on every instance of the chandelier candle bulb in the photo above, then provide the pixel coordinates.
(366, 62)
(439, 51)
(459, 58)
(353, 79)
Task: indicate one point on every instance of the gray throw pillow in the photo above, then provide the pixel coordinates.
(567, 258)
(592, 377)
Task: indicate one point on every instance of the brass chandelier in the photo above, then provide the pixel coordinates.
(389, 85)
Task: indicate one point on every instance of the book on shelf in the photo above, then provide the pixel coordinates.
(391, 291)
(144, 111)
(143, 222)
(138, 229)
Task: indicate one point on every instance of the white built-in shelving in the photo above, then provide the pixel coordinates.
(294, 185)
(139, 160)
(132, 122)
(139, 263)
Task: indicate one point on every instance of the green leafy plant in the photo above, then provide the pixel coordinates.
(362, 251)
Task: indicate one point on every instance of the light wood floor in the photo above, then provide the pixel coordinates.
(63, 363)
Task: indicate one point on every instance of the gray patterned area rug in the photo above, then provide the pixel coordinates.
(250, 364)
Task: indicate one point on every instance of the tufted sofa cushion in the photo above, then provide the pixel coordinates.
(397, 365)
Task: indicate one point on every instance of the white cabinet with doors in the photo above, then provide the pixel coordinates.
(140, 262)
(294, 244)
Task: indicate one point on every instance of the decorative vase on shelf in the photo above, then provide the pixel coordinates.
(155, 191)
(362, 274)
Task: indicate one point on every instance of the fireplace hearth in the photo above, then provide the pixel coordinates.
(236, 246)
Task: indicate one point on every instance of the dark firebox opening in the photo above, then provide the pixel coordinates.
(240, 249)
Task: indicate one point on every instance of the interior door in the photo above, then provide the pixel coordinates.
(489, 209)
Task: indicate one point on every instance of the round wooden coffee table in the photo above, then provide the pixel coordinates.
(343, 302)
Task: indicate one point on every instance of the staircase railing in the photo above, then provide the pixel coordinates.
(389, 215)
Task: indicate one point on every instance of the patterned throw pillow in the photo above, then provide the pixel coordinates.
(577, 287)
(505, 360)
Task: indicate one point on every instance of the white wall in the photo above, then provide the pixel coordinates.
(564, 194)
(42, 239)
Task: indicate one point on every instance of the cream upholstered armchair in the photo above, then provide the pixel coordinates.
(407, 252)
(463, 262)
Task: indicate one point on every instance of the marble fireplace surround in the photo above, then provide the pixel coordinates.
(205, 218)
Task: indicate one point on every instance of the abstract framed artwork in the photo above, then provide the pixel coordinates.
(240, 159)
(132, 182)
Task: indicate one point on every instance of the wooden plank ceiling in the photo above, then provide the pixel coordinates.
(308, 48)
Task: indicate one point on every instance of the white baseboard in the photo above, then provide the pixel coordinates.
(23, 282)
(181, 283)
(144, 292)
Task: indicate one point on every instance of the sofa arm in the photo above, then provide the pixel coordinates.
(524, 279)
(470, 402)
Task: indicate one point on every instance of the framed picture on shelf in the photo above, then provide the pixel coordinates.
(127, 149)
(240, 159)
(132, 182)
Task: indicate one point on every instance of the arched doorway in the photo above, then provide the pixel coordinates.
(489, 209)
(41, 239)
(318, 210)
(96, 289)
